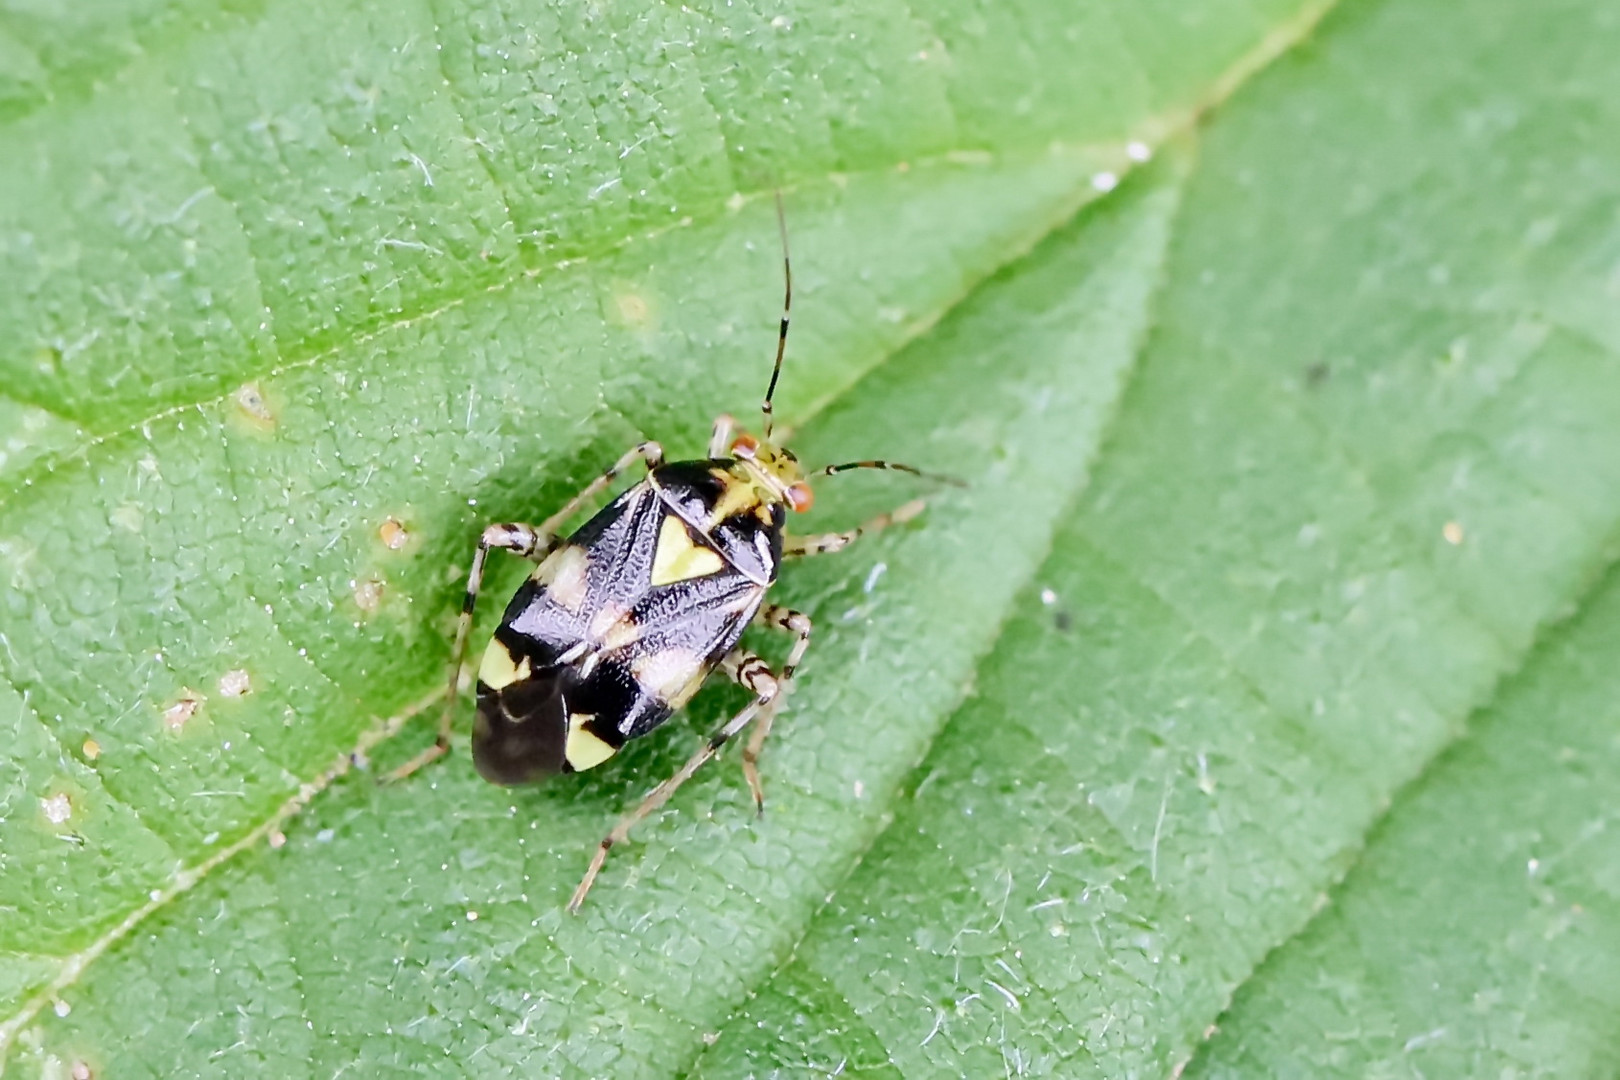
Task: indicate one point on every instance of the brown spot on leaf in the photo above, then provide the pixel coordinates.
(393, 534)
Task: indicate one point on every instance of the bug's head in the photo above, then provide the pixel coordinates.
(776, 473)
(775, 469)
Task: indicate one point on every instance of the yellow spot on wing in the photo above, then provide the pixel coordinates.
(679, 557)
(563, 575)
(498, 670)
(670, 675)
(614, 627)
(584, 750)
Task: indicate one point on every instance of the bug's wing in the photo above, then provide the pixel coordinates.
(521, 732)
(668, 612)
(611, 634)
(537, 701)
(683, 631)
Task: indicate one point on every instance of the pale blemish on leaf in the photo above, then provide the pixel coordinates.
(632, 307)
(979, 158)
(368, 594)
(177, 715)
(57, 808)
(235, 683)
(252, 406)
(128, 516)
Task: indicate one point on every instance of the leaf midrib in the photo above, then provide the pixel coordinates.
(40, 469)
(73, 965)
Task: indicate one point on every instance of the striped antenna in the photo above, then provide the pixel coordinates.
(787, 306)
(833, 470)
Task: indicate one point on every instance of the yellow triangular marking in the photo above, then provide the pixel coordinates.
(678, 557)
(584, 750)
(498, 669)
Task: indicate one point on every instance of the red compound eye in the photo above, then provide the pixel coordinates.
(744, 446)
(799, 496)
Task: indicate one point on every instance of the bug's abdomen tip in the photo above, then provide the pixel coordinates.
(521, 732)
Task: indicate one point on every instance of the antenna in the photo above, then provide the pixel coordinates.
(787, 306)
(833, 470)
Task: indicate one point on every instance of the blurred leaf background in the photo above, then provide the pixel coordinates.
(1251, 712)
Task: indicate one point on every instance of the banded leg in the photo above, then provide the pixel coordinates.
(821, 543)
(794, 622)
(649, 452)
(754, 674)
(533, 543)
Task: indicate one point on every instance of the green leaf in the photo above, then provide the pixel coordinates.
(1480, 933)
(483, 872)
(284, 276)
(286, 282)
(1369, 451)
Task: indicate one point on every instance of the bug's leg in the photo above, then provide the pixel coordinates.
(825, 542)
(533, 542)
(650, 452)
(751, 672)
(524, 540)
(821, 543)
(720, 435)
(797, 623)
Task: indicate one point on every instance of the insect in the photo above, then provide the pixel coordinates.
(620, 623)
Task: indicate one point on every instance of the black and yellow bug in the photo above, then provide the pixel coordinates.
(620, 623)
